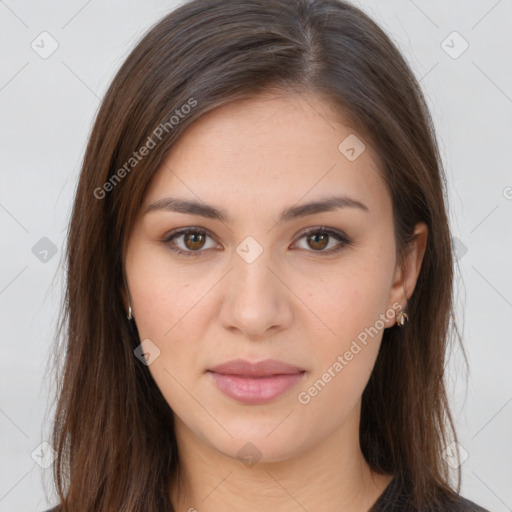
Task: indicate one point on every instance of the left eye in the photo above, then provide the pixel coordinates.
(319, 238)
(193, 241)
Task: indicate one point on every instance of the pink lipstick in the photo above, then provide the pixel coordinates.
(255, 383)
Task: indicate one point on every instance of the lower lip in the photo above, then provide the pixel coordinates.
(255, 390)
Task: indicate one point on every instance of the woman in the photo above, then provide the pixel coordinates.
(259, 274)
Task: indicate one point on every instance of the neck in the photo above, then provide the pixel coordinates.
(331, 476)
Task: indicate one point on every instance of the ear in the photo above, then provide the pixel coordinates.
(406, 275)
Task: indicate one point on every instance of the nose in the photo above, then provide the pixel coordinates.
(255, 299)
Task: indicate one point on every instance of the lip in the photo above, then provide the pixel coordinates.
(255, 383)
(264, 368)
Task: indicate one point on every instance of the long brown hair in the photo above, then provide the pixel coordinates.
(113, 430)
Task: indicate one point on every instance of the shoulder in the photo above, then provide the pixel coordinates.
(464, 505)
(460, 504)
(396, 498)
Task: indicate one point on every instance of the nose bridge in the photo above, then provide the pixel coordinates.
(256, 300)
(252, 272)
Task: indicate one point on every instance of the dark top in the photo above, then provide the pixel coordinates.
(394, 499)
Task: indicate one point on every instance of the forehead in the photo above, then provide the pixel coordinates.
(271, 149)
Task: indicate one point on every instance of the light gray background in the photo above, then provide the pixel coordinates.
(47, 107)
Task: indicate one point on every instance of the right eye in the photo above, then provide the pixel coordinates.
(192, 241)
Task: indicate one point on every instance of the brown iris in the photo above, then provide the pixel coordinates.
(319, 240)
(194, 241)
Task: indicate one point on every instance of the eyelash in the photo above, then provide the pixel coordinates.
(341, 237)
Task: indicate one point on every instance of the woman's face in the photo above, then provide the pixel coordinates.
(253, 285)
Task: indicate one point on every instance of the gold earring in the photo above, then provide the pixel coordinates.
(129, 315)
(402, 318)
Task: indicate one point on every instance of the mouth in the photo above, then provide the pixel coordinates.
(255, 383)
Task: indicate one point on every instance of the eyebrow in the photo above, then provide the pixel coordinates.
(327, 204)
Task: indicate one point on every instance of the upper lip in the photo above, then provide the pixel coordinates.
(258, 369)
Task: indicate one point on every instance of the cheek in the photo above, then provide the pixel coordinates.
(351, 299)
(352, 306)
(163, 296)
(168, 311)
(343, 363)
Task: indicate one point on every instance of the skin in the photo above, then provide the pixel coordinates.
(252, 159)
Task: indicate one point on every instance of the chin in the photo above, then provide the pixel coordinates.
(260, 444)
